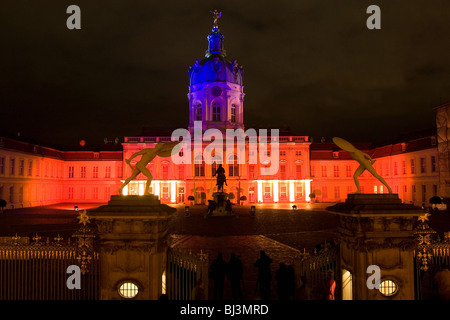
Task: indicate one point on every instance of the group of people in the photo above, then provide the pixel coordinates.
(232, 270)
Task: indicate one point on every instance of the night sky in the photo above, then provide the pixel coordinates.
(311, 65)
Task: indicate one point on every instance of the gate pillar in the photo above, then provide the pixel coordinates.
(133, 246)
(377, 230)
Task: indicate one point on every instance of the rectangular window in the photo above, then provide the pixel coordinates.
(298, 153)
(95, 193)
(165, 172)
(424, 193)
(282, 172)
(413, 166)
(422, 165)
(387, 169)
(348, 171)
(119, 171)
(267, 192)
(108, 172)
(336, 171)
(433, 163)
(435, 190)
(30, 168)
(299, 192)
(313, 171)
(95, 172)
(298, 171)
(199, 170)
(21, 168)
(11, 194)
(283, 192)
(165, 192)
(349, 189)
(395, 168)
(324, 171)
(251, 171)
(83, 172)
(324, 192)
(181, 172)
(70, 195)
(413, 192)
(282, 153)
(2, 165)
(403, 167)
(337, 192)
(83, 193)
(12, 166)
(71, 171)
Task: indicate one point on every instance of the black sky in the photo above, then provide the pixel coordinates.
(312, 65)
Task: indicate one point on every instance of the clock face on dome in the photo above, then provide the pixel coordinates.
(216, 91)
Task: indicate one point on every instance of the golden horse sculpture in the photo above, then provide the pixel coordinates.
(364, 160)
(160, 149)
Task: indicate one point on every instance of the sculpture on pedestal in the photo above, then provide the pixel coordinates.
(364, 160)
(221, 179)
(148, 154)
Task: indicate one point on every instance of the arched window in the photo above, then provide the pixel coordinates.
(198, 112)
(233, 166)
(233, 112)
(216, 111)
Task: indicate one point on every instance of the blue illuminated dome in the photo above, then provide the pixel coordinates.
(215, 67)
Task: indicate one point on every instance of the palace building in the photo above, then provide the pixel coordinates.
(34, 175)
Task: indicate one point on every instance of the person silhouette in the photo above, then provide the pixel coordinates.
(234, 275)
(264, 275)
(364, 160)
(218, 271)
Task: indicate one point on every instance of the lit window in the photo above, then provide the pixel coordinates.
(422, 165)
(108, 172)
(336, 171)
(233, 113)
(233, 167)
(388, 288)
(71, 170)
(128, 290)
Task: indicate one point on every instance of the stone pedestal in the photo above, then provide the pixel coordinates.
(133, 245)
(220, 199)
(376, 229)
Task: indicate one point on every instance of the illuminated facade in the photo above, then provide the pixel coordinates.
(32, 175)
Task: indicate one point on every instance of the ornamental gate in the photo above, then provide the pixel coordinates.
(311, 270)
(432, 252)
(183, 271)
(37, 269)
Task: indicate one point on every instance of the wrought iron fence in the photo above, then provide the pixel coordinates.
(432, 252)
(36, 268)
(311, 270)
(184, 270)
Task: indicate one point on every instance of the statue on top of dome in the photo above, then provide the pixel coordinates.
(216, 15)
